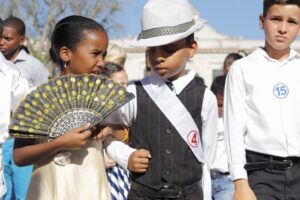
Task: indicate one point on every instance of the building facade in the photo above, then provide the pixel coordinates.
(213, 47)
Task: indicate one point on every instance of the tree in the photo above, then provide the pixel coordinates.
(40, 17)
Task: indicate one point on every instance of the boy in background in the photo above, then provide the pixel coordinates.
(13, 87)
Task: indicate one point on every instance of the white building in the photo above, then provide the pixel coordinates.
(213, 47)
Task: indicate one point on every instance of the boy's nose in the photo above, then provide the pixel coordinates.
(1, 41)
(282, 27)
(159, 59)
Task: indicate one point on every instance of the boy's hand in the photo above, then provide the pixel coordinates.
(139, 161)
(243, 190)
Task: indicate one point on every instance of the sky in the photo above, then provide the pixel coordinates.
(235, 18)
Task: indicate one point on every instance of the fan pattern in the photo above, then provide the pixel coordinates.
(65, 103)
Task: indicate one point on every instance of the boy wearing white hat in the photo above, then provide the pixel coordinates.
(172, 120)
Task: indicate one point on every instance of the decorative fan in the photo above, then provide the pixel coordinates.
(67, 102)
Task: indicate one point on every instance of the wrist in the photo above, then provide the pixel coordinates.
(241, 183)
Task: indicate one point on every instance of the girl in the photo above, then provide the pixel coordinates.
(78, 46)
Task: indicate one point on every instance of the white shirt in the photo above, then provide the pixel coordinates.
(31, 68)
(221, 161)
(262, 108)
(13, 87)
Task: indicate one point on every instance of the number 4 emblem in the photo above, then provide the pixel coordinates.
(193, 139)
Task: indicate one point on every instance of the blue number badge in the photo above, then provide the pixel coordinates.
(280, 90)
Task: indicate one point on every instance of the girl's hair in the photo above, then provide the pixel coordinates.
(69, 32)
(111, 68)
(230, 58)
(115, 54)
(269, 3)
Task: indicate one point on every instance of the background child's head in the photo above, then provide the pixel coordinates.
(230, 58)
(13, 37)
(78, 45)
(115, 54)
(116, 73)
(217, 88)
(168, 28)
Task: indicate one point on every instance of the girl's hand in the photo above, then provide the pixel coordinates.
(75, 138)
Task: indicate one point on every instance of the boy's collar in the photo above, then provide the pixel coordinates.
(292, 54)
(22, 55)
(178, 84)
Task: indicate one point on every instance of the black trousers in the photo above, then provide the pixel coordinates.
(134, 195)
(141, 192)
(274, 184)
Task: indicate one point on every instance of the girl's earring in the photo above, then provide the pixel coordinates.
(65, 64)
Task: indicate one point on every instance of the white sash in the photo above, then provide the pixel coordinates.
(177, 114)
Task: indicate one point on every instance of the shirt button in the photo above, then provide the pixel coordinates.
(168, 130)
(166, 186)
(168, 171)
(168, 151)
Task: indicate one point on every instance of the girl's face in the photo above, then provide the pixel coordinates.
(120, 77)
(88, 57)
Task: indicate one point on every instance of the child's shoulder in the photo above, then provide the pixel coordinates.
(251, 61)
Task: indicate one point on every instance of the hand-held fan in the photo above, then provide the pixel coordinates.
(67, 102)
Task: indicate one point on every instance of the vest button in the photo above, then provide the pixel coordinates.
(168, 151)
(168, 172)
(168, 130)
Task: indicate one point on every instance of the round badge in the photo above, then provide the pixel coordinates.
(280, 90)
(193, 138)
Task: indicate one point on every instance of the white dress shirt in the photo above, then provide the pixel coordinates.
(13, 87)
(31, 68)
(221, 162)
(262, 108)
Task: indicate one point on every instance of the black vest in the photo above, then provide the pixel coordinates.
(172, 162)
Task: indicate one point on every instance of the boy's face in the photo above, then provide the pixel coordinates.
(10, 42)
(281, 25)
(169, 60)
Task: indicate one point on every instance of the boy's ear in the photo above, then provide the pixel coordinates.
(193, 49)
(65, 54)
(261, 21)
(22, 40)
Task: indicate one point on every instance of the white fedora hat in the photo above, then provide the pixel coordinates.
(167, 21)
